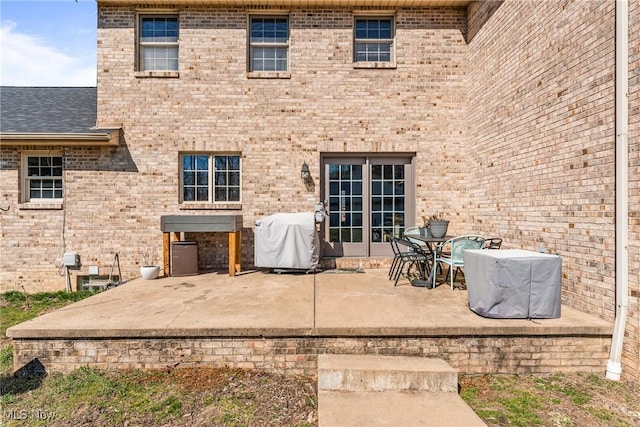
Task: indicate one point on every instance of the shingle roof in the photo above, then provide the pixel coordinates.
(48, 109)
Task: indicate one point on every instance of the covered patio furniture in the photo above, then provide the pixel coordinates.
(451, 253)
(514, 283)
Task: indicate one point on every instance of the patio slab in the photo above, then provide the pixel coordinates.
(265, 304)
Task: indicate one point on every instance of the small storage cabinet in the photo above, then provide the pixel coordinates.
(184, 258)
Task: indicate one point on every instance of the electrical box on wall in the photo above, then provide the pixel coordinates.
(71, 259)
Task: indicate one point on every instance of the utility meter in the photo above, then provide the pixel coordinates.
(71, 259)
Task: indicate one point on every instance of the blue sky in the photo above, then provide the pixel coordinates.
(48, 42)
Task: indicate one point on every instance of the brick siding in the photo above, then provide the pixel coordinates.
(542, 124)
(510, 116)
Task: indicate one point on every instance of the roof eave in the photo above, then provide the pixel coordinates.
(108, 138)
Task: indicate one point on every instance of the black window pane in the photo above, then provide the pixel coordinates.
(221, 163)
(376, 219)
(334, 172)
(357, 172)
(356, 204)
(234, 178)
(189, 194)
(234, 194)
(376, 172)
(189, 178)
(203, 194)
(334, 219)
(334, 204)
(234, 163)
(202, 162)
(356, 188)
(221, 178)
(188, 162)
(203, 178)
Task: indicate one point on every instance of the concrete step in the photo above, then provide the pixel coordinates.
(385, 373)
(369, 390)
(394, 408)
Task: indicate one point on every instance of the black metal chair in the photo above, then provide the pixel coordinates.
(492, 243)
(409, 254)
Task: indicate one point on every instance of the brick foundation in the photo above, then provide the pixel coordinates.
(298, 355)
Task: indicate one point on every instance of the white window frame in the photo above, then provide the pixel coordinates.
(390, 41)
(211, 183)
(277, 45)
(27, 179)
(141, 45)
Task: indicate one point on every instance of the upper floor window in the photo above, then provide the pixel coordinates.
(209, 177)
(158, 43)
(42, 177)
(269, 43)
(373, 40)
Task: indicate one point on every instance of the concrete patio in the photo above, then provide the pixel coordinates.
(283, 321)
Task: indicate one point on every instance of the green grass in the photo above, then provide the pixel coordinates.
(562, 400)
(89, 396)
(17, 307)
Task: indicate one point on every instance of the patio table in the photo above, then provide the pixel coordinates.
(433, 244)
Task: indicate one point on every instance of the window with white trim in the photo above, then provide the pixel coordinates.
(42, 177)
(373, 39)
(210, 177)
(158, 43)
(269, 43)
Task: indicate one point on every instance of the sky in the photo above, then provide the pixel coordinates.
(48, 42)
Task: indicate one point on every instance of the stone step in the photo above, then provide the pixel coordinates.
(385, 373)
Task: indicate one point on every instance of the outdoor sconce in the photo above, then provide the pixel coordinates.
(304, 172)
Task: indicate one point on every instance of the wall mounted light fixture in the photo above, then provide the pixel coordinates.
(304, 171)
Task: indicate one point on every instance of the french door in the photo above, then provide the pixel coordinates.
(370, 199)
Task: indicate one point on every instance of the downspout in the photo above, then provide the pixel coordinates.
(614, 367)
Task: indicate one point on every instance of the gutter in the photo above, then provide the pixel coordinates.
(110, 138)
(614, 367)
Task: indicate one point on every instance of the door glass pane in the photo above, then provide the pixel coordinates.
(345, 203)
(387, 201)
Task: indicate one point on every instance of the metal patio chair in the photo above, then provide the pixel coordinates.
(492, 243)
(409, 255)
(451, 253)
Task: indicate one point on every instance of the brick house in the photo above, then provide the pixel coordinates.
(501, 115)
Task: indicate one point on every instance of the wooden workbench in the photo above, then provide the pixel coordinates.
(231, 224)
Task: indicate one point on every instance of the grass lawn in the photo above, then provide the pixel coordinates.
(231, 397)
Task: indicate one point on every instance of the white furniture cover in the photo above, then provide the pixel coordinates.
(513, 283)
(287, 241)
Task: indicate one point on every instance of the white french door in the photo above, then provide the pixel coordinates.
(370, 199)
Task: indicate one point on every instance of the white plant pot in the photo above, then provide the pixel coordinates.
(149, 272)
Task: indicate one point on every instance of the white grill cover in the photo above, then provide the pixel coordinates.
(287, 241)
(513, 283)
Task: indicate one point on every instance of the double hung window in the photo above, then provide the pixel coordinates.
(42, 177)
(158, 43)
(373, 39)
(269, 43)
(210, 177)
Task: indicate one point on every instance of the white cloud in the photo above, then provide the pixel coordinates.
(27, 60)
